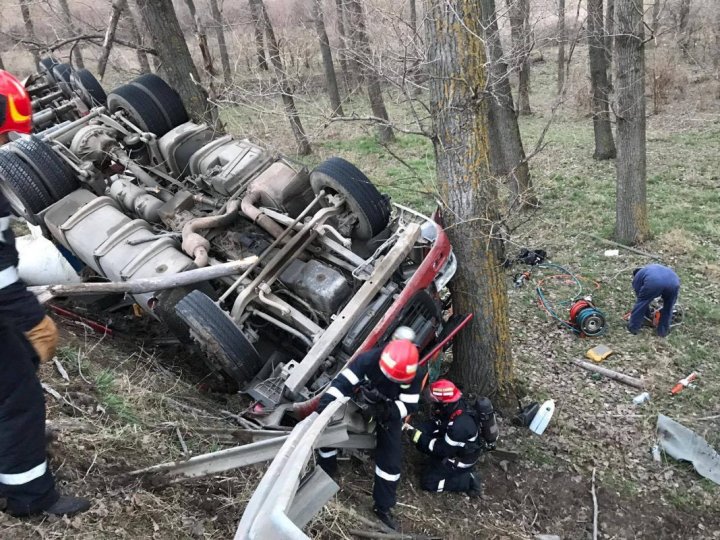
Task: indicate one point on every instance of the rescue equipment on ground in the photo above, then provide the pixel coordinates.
(542, 418)
(599, 353)
(683, 383)
(585, 318)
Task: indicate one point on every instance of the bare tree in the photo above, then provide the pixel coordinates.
(136, 37)
(220, 36)
(2, 64)
(562, 38)
(68, 20)
(177, 64)
(507, 155)
(610, 38)
(361, 45)
(303, 145)
(655, 24)
(413, 17)
(342, 50)
(519, 12)
(631, 224)
(604, 144)
(143, 37)
(682, 27)
(327, 60)
(29, 27)
(256, 16)
(117, 8)
(201, 36)
(456, 65)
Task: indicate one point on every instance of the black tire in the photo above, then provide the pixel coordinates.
(223, 342)
(89, 88)
(61, 73)
(45, 66)
(54, 173)
(23, 189)
(370, 207)
(165, 97)
(140, 109)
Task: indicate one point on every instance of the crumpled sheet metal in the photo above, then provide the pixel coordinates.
(684, 444)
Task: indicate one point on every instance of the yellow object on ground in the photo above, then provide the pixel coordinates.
(599, 353)
(44, 338)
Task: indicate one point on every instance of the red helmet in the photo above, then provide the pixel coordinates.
(15, 105)
(444, 391)
(399, 360)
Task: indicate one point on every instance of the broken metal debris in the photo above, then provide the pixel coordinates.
(684, 444)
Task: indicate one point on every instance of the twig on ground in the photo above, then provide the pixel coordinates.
(595, 508)
(61, 369)
(618, 244)
(186, 453)
(393, 535)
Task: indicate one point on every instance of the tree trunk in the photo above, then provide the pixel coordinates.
(655, 25)
(303, 145)
(413, 18)
(342, 49)
(177, 64)
(29, 28)
(631, 224)
(136, 37)
(259, 35)
(201, 37)
(456, 64)
(562, 38)
(610, 41)
(519, 13)
(117, 8)
(220, 35)
(507, 155)
(68, 20)
(330, 77)
(369, 75)
(144, 36)
(604, 145)
(2, 64)
(683, 19)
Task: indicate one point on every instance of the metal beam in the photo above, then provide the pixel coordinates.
(232, 458)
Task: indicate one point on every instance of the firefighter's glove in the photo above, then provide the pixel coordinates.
(412, 432)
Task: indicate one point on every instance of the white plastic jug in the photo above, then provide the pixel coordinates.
(542, 418)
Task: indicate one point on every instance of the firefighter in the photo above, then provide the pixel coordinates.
(25, 478)
(386, 384)
(452, 439)
(16, 302)
(650, 282)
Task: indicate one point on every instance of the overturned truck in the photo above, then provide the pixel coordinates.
(327, 267)
(127, 185)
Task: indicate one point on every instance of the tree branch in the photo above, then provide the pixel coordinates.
(39, 46)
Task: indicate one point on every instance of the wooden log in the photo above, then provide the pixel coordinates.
(620, 377)
(47, 292)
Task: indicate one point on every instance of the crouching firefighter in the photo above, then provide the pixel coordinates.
(457, 433)
(385, 383)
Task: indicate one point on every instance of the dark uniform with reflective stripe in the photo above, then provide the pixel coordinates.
(452, 442)
(16, 302)
(402, 399)
(25, 479)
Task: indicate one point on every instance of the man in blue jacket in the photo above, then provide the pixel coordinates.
(650, 282)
